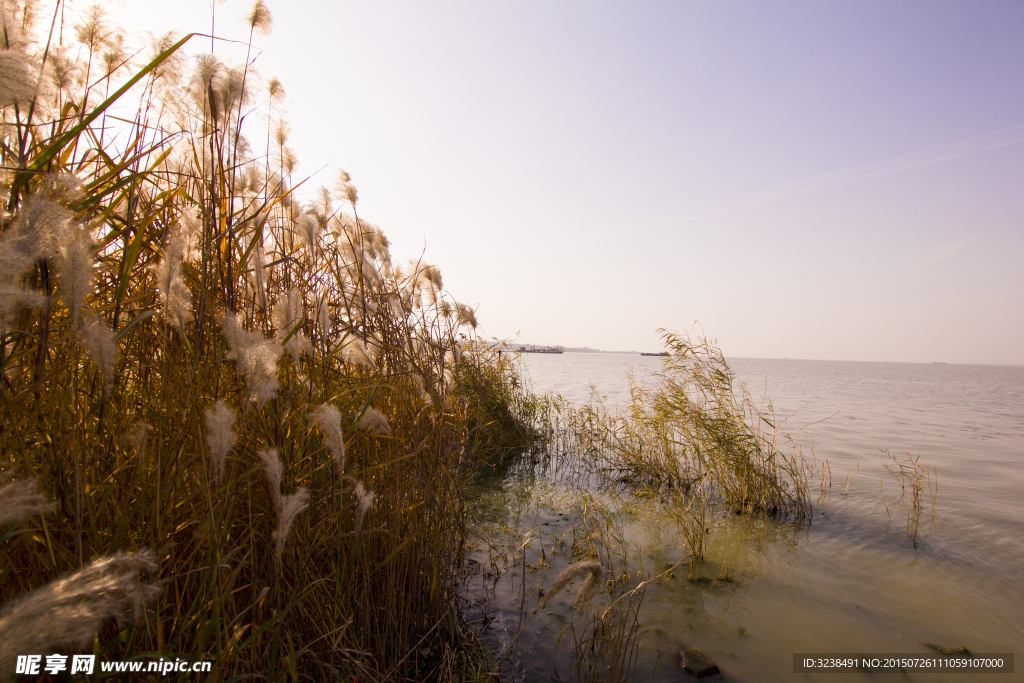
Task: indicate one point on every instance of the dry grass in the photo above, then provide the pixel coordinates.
(692, 441)
(157, 266)
(915, 478)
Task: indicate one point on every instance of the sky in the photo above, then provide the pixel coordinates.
(817, 180)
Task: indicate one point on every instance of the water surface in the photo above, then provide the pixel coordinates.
(850, 581)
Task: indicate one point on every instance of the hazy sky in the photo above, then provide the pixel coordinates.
(806, 180)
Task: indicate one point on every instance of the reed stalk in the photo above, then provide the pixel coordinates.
(169, 310)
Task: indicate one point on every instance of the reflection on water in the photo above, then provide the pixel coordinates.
(852, 581)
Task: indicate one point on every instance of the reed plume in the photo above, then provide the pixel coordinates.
(417, 381)
(308, 230)
(288, 313)
(115, 56)
(258, 278)
(276, 90)
(11, 34)
(364, 501)
(272, 470)
(74, 265)
(590, 587)
(93, 31)
(255, 356)
(20, 499)
(41, 224)
(288, 509)
(220, 434)
(63, 71)
(174, 293)
(14, 298)
(348, 190)
(100, 342)
(259, 19)
(467, 316)
(13, 295)
(431, 275)
(69, 611)
(323, 314)
(328, 419)
(354, 352)
(374, 421)
(18, 78)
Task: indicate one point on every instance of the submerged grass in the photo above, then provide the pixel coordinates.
(690, 453)
(914, 478)
(692, 443)
(205, 379)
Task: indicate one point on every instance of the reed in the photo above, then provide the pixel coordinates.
(915, 478)
(692, 439)
(170, 312)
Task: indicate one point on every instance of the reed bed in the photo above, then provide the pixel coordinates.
(691, 445)
(227, 416)
(688, 456)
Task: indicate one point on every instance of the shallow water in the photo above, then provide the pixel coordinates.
(851, 581)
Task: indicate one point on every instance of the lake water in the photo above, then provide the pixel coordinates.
(850, 581)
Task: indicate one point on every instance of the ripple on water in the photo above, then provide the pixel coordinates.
(852, 580)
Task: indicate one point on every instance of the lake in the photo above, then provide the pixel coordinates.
(851, 580)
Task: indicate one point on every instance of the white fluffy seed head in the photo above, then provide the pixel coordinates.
(74, 271)
(14, 297)
(272, 469)
(374, 421)
(324, 317)
(417, 382)
(467, 316)
(308, 231)
(18, 78)
(354, 352)
(328, 419)
(220, 434)
(69, 611)
(288, 313)
(364, 501)
(258, 276)
(259, 19)
(18, 253)
(19, 500)
(174, 293)
(100, 343)
(43, 220)
(254, 356)
(288, 510)
(32, 235)
(179, 305)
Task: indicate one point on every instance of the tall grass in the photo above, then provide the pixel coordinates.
(691, 452)
(692, 440)
(244, 389)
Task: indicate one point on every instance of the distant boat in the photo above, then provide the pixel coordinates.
(938, 362)
(542, 349)
(663, 353)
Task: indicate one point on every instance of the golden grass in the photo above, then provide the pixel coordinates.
(169, 311)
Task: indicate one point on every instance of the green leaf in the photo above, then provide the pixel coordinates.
(135, 321)
(47, 155)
